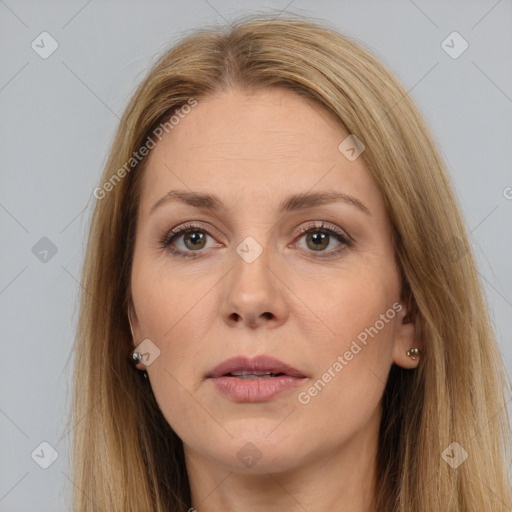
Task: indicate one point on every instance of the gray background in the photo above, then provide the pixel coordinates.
(58, 117)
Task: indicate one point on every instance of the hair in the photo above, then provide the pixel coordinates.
(126, 457)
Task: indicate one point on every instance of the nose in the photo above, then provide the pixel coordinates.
(253, 294)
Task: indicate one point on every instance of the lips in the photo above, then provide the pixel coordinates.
(255, 368)
(254, 380)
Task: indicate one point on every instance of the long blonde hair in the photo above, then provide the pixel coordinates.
(126, 457)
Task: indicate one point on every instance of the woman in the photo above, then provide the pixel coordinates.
(280, 307)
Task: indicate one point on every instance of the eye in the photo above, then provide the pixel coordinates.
(193, 240)
(318, 237)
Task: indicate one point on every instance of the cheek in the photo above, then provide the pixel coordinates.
(165, 302)
(175, 319)
(172, 315)
(346, 390)
(352, 359)
(346, 307)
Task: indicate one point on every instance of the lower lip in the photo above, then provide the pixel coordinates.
(255, 390)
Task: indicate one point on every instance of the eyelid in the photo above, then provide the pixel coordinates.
(327, 226)
(191, 224)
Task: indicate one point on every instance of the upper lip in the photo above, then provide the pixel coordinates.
(260, 363)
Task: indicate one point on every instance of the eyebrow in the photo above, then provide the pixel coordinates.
(295, 202)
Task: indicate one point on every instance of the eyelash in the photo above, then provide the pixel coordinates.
(175, 233)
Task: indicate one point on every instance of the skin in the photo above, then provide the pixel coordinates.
(253, 150)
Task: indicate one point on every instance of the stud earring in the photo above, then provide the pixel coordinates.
(136, 357)
(413, 352)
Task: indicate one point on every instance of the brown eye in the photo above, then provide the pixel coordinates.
(194, 240)
(187, 240)
(317, 241)
(319, 237)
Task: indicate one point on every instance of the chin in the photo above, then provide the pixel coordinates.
(258, 454)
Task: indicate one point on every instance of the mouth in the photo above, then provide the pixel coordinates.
(260, 367)
(248, 375)
(254, 380)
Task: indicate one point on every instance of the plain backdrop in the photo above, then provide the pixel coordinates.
(59, 112)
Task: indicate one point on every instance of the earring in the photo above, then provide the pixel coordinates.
(413, 352)
(137, 358)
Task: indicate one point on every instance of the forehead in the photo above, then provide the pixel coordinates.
(258, 145)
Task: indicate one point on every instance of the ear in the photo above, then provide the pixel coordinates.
(406, 337)
(133, 321)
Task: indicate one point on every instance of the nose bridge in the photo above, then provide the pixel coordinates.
(252, 293)
(250, 280)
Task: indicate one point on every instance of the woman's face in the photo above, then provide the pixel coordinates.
(312, 284)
